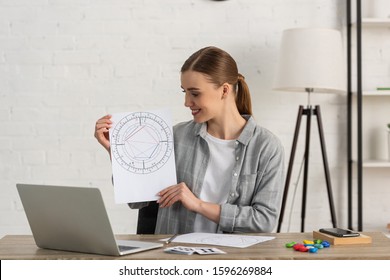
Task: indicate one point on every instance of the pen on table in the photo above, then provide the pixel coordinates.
(170, 239)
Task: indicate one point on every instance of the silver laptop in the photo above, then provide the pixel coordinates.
(73, 219)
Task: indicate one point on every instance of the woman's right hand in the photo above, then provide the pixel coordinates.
(101, 131)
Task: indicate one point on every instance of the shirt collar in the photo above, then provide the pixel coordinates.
(248, 130)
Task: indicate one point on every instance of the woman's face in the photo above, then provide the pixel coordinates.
(202, 96)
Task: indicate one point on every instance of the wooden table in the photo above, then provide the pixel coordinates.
(23, 247)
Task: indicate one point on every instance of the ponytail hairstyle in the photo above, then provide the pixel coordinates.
(221, 68)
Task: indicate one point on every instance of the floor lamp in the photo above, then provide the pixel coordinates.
(310, 61)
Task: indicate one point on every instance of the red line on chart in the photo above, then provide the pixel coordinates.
(133, 133)
(156, 140)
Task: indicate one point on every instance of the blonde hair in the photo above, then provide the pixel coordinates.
(221, 68)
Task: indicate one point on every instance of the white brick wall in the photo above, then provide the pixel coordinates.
(63, 64)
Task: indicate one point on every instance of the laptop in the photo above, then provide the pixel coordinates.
(73, 219)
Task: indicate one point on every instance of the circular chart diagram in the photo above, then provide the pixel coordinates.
(141, 142)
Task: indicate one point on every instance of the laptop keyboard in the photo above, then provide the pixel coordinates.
(126, 248)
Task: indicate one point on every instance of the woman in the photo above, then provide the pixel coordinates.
(230, 169)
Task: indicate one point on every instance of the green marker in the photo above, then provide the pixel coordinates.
(383, 88)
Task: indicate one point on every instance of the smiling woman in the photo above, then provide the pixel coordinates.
(230, 170)
(215, 70)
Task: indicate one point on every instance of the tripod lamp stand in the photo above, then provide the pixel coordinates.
(310, 61)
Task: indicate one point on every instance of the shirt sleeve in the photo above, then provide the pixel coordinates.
(261, 215)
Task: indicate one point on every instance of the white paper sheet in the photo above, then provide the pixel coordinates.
(230, 240)
(142, 155)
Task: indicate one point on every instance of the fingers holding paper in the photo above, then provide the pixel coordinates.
(102, 127)
(181, 193)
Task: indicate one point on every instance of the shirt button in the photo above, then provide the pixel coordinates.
(236, 142)
(235, 174)
(232, 194)
(237, 158)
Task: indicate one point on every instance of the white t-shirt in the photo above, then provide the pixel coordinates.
(217, 182)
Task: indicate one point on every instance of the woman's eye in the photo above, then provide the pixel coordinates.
(194, 93)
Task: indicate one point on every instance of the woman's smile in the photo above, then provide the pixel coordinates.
(195, 111)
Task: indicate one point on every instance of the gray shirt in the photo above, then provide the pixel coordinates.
(254, 199)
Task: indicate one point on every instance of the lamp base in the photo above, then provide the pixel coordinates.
(308, 112)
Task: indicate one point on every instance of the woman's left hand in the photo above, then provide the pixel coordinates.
(179, 192)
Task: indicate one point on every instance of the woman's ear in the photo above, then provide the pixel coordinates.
(225, 90)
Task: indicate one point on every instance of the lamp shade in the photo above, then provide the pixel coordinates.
(311, 58)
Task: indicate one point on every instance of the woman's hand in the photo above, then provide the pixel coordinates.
(181, 193)
(101, 131)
